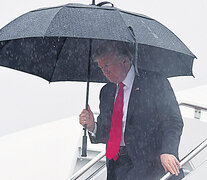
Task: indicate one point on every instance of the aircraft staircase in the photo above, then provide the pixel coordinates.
(193, 152)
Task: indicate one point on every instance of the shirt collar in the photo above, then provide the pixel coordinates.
(128, 81)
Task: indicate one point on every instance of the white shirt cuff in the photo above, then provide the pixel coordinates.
(94, 131)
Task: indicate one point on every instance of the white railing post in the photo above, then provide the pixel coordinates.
(87, 166)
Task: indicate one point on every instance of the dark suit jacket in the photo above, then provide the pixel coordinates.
(153, 125)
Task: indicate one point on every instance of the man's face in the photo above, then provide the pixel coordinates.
(113, 68)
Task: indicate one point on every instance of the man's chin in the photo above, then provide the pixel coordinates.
(112, 80)
(115, 82)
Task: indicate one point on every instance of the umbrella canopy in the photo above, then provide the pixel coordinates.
(56, 43)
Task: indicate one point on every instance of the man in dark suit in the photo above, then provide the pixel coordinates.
(151, 123)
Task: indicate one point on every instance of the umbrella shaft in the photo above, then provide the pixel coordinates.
(84, 142)
(89, 71)
(87, 94)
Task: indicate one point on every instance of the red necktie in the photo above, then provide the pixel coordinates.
(116, 126)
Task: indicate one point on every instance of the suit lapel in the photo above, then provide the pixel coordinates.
(112, 95)
(110, 99)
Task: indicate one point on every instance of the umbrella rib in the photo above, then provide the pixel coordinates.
(133, 37)
(52, 20)
(46, 8)
(135, 42)
(136, 14)
(58, 54)
(2, 45)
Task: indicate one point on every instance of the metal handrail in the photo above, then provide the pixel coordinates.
(191, 155)
(197, 108)
(87, 166)
(96, 172)
(193, 106)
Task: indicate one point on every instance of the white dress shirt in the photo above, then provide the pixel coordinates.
(128, 82)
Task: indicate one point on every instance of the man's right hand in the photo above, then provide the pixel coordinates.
(86, 117)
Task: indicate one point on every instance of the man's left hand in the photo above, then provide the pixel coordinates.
(170, 163)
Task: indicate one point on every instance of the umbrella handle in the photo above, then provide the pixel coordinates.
(93, 2)
(84, 143)
(103, 3)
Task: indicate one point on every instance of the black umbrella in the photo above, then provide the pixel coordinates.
(57, 43)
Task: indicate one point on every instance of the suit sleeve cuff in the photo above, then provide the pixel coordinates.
(93, 133)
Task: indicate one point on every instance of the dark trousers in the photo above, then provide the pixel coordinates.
(117, 170)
